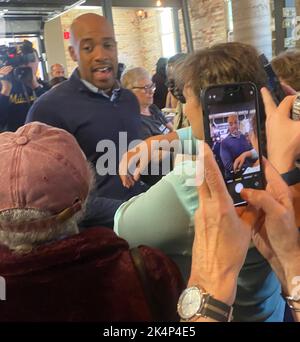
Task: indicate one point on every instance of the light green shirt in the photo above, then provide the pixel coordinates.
(163, 217)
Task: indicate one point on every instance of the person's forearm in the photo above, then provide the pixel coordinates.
(157, 141)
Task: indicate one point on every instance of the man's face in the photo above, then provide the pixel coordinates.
(233, 124)
(57, 71)
(95, 50)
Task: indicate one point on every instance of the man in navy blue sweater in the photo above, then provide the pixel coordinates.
(236, 151)
(92, 106)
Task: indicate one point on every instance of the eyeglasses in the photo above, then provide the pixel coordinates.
(147, 88)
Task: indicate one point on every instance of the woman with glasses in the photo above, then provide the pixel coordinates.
(138, 80)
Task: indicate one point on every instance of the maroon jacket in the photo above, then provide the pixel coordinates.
(86, 277)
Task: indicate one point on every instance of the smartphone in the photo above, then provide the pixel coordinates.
(273, 81)
(231, 125)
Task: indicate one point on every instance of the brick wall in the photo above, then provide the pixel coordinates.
(208, 22)
(138, 41)
(128, 37)
(151, 49)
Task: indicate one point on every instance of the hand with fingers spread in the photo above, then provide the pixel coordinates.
(283, 134)
(221, 239)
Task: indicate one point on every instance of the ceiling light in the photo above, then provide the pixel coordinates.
(158, 3)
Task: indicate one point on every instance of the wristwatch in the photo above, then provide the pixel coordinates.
(196, 302)
(296, 109)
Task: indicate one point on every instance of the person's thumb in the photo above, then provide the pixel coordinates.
(260, 199)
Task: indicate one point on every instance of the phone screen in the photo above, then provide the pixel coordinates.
(231, 125)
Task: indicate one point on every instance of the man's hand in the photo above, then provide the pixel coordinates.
(240, 160)
(5, 84)
(136, 160)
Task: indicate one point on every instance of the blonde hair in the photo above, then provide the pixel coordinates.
(131, 77)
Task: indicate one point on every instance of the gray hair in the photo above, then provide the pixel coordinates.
(25, 242)
(131, 76)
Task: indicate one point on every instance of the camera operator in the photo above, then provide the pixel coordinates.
(19, 86)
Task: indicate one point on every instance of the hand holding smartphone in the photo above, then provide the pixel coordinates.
(232, 123)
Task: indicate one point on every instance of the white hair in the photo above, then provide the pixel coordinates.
(131, 77)
(24, 242)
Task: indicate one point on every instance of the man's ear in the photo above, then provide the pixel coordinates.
(72, 53)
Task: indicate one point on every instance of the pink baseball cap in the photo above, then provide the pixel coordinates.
(42, 167)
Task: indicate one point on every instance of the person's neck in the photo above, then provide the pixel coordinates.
(145, 110)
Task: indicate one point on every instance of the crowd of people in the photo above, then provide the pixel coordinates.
(71, 233)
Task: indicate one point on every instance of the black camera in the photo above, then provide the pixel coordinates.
(16, 56)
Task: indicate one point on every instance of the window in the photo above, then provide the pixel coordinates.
(167, 33)
(229, 21)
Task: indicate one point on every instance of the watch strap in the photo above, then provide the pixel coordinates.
(292, 177)
(217, 310)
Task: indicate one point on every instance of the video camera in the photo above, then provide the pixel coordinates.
(18, 55)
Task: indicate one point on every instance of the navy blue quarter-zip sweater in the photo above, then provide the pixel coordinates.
(92, 118)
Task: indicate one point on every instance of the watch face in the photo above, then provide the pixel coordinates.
(189, 302)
